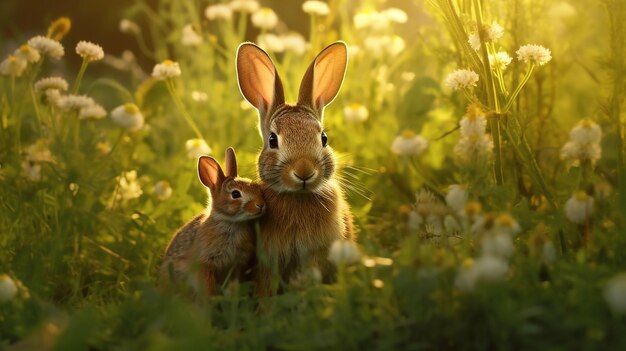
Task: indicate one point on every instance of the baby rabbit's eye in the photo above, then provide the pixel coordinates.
(235, 194)
(273, 141)
(324, 139)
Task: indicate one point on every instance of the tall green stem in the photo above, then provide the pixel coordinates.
(519, 87)
(181, 108)
(79, 78)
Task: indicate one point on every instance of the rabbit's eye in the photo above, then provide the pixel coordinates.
(235, 194)
(273, 141)
(324, 139)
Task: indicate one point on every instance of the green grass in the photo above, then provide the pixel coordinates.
(88, 261)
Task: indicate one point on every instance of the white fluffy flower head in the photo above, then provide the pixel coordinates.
(246, 6)
(343, 252)
(264, 18)
(190, 37)
(89, 51)
(74, 102)
(396, 15)
(456, 198)
(166, 69)
(579, 207)
(535, 54)
(94, 111)
(355, 113)
(271, 42)
(57, 83)
(47, 46)
(500, 60)
(27, 53)
(461, 79)
(127, 187)
(314, 7)
(218, 12)
(128, 116)
(295, 43)
(13, 66)
(162, 190)
(615, 293)
(8, 288)
(196, 148)
(408, 143)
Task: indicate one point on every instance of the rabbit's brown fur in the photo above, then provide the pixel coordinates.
(307, 207)
(221, 241)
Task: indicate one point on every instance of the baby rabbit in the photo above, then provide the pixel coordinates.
(220, 241)
(308, 210)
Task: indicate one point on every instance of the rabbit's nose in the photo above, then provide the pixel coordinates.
(304, 178)
(260, 206)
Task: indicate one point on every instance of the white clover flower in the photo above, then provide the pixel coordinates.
(264, 18)
(344, 252)
(89, 51)
(8, 288)
(246, 6)
(127, 187)
(586, 131)
(313, 7)
(190, 37)
(295, 43)
(456, 198)
(408, 143)
(47, 46)
(32, 170)
(129, 27)
(166, 69)
(74, 102)
(57, 83)
(615, 293)
(162, 190)
(498, 245)
(395, 15)
(535, 54)
(474, 146)
(355, 113)
(473, 123)
(218, 12)
(53, 96)
(128, 116)
(196, 148)
(27, 53)
(94, 111)
(491, 268)
(372, 20)
(461, 79)
(271, 42)
(579, 207)
(500, 60)
(199, 96)
(13, 66)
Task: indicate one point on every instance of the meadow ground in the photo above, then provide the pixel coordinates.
(481, 147)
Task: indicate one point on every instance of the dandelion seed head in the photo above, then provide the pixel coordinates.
(166, 69)
(46, 46)
(318, 8)
(264, 18)
(461, 79)
(128, 116)
(89, 51)
(219, 12)
(535, 54)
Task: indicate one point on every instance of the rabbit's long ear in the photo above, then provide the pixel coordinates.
(324, 77)
(210, 172)
(258, 80)
(231, 163)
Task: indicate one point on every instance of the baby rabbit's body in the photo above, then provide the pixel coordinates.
(219, 242)
(308, 210)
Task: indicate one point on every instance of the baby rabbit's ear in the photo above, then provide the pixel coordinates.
(231, 163)
(258, 80)
(324, 77)
(210, 172)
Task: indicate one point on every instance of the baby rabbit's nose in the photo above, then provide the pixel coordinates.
(260, 205)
